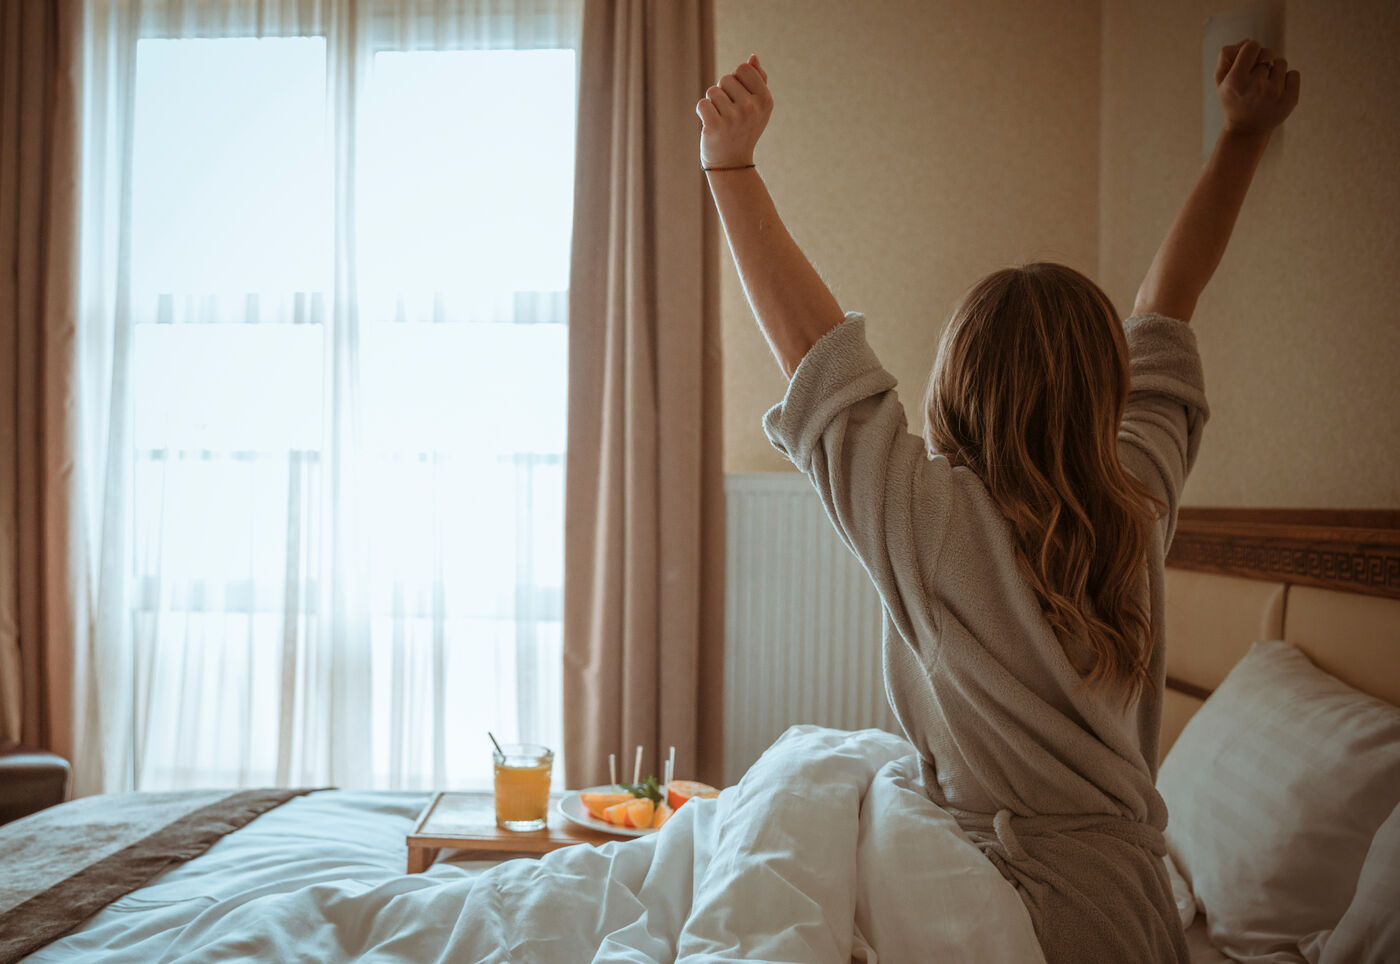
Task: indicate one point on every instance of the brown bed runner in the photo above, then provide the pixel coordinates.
(60, 866)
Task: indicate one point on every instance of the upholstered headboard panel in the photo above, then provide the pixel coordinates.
(1328, 582)
(1212, 620)
(1355, 638)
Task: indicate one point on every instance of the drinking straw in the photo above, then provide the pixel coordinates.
(637, 766)
(612, 769)
(671, 765)
(496, 745)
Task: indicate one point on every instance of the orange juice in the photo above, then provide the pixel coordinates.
(522, 786)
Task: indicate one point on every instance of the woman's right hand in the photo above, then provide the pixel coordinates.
(734, 113)
(1256, 90)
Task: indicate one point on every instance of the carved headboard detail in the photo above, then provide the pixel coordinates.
(1349, 550)
(1327, 581)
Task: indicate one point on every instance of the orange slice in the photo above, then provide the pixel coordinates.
(638, 813)
(663, 813)
(596, 803)
(614, 815)
(679, 791)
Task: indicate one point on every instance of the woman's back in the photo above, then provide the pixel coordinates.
(1043, 771)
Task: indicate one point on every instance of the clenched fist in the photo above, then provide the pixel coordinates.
(734, 113)
(1256, 89)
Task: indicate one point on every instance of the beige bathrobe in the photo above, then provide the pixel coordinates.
(1056, 785)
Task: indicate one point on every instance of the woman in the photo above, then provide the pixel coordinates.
(1018, 547)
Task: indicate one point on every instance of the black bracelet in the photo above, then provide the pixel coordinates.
(741, 167)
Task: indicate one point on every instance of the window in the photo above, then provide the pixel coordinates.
(338, 419)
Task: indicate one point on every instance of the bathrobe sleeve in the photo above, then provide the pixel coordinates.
(1161, 429)
(842, 425)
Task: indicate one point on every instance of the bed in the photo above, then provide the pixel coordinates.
(1281, 764)
(1282, 774)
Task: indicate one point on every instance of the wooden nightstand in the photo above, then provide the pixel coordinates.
(466, 822)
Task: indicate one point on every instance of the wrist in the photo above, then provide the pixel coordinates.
(744, 159)
(1245, 136)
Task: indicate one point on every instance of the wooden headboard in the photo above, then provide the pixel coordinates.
(1327, 581)
(1344, 549)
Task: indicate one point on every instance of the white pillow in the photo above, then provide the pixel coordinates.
(1274, 790)
(1369, 932)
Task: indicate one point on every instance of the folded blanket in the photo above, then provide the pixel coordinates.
(827, 851)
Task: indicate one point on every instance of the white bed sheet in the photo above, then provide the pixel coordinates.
(827, 841)
(1198, 944)
(313, 840)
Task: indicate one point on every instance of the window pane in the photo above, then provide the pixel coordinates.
(227, 387)
(484, 388)
(467, 161)
(230, 184)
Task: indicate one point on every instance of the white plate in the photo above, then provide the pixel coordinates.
(572, 807)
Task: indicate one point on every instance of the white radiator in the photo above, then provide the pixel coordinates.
(802, 624)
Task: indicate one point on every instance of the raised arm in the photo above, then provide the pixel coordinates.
(793, 305)
(1257, 91)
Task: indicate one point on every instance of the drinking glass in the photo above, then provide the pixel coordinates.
(522, 785)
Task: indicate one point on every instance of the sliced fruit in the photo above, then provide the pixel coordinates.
(679, 791)
(638, 813)
(614, 815)
(596, 803)
(663, 813)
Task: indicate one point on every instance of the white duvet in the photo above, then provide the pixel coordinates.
(826, 851)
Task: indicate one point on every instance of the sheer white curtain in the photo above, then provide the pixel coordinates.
(324, 272)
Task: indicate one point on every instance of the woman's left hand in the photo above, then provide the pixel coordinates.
(734, 113)
(1257, 91)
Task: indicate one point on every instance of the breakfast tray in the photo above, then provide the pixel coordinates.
(466, 822)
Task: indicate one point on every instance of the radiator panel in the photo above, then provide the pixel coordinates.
(802, 633)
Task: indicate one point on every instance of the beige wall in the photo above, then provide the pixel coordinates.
(914, 147)
(1300, 331)
(917, 145)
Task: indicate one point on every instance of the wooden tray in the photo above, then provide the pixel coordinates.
(466, 822)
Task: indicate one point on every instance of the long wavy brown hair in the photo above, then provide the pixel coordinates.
(1027, 391)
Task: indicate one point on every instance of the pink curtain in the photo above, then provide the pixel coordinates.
(644, 518)
(39, 170)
